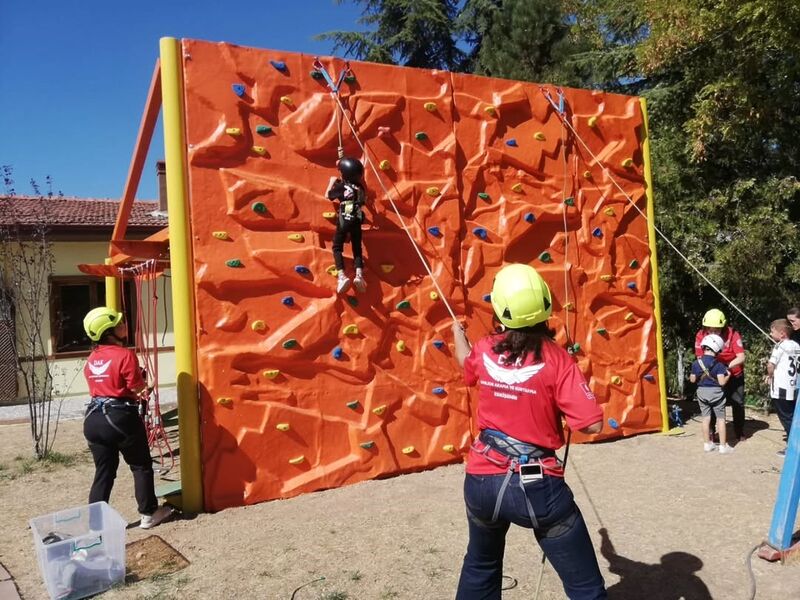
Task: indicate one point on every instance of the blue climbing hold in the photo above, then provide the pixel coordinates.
(279, 65)
(480, 232)
(238, 89)
(649, 377)
(512, 142)
(288, 301)
(487, 297)
(613, 424)
(529, 217)
(435, 231)
(303, 270)
(438, 391)
(337, 353)
(597, 232)
(632, 285)
(439, 344)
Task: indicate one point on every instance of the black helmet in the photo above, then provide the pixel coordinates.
(351, 169)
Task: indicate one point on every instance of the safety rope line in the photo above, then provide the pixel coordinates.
(611, 178)
(566, 230)
(334, 91)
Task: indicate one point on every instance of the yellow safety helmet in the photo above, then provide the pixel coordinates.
(520, 297)
(714, 318)
(99, 320)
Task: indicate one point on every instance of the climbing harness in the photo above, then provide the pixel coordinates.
(103, 403)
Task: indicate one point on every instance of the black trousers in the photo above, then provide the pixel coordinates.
(106, 444)
(353, 228)
(734, 397)
(785, 409)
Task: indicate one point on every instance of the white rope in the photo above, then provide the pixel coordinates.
(394, 206)
(566, 235)
(607, 173)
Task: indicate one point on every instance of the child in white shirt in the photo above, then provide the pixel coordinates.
(782, 373)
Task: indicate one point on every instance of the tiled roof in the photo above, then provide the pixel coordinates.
(75, 212)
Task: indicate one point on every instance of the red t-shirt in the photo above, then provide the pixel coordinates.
(113, 371)
(733, 345)
(527, 401)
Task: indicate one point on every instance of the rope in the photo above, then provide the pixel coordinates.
(566, 231)
(607, 173)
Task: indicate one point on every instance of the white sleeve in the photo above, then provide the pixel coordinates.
(776, 355)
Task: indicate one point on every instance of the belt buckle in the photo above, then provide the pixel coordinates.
(530, 472)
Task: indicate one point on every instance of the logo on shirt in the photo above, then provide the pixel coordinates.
(510, 376)
(99, 368)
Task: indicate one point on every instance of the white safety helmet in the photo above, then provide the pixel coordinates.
(713, 342)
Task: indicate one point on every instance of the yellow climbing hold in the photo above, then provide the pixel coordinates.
(332, 270)
(387, 268)
(407, 450)
(539, 136)
(234, 131)
(629, 317)
(286, 100)
(351, 329)
(297, 237)
(282, 427)
(592, 122)
(329, 214)
(449, 448)
(627, 163)
(258, 325)
(271, 373)
(220, 235)
(490, 110)
(569, 306)
(434, 295)
(260, 150)
(297, 460)
(432, 191)
(610, 212)
(400, 345)
(430, 106)
(517, 187)
(224, 401)
(379, 410)
(384, 165)
(616, 380)
(587, 174)
(607, 277)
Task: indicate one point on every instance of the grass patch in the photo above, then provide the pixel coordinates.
(53, 461)
(388, 594)
(337, 595)
(356, 576)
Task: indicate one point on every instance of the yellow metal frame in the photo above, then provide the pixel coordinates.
(112, 291)
(651, 231)
(182, 273)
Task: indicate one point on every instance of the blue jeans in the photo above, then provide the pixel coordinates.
(560, 531)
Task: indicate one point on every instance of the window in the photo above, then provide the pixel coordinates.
(70, 299)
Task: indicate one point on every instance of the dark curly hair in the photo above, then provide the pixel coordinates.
(518, 343)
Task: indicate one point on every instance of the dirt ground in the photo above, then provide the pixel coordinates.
(679, 522)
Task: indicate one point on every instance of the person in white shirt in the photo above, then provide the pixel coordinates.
(782, 373)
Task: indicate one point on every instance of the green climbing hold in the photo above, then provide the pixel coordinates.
(421, 136)
(483, 195)
(263, 129)
(317, 75)
(352, 300)
(353, 405)
(576, 347)
(234, 263)
(403, 304)
(259, 207)
(349, 78)
(290, 343)
(633, 264)
(545, 257)
(367, 445)
(569, 201)
(601, 330)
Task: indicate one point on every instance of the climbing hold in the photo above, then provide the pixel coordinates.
(587, 174)
(350, 79)
(263, 129)
(296, 237)
(259, 207)
(258, 325)
(287, 301)
(438, 344)
(234, 131)
(490, 110)
(403, 304)
(238, 89)
(329, 214)
(633, 264)
(607, 277)
(332, 270)
(613, 424)
(597, 232)
(379, 410)
(220, 235)
(576, 347)
(316, 74)
(545, 257)
(302, 270)
(487, 297)
(432, 191)
(225, 401)
(383, 130)
(234, 263)
(610, 212)
(387, 268)
(439, 391)
(449, 448)
(407, 450)
(271, 373)
(649, 377)
(616, 380)
(632, 285)
(627, 163)
(570, 201)
(601, 331)
(629, 317)
(480, 232)
(279, 65)
(512, 142)
(290, 343)
(517, 187)
(539, 136)
(367, 445)
(384, 165)
(260, 150)
(400, 345)
(484, 196)
(434, 231)
(530, 217)
(592, 121)
(352, 300)
(337, 353)
(282, 427)
(430, 106)
(434, 295)
(421, 136)
(297, 460)
(352, 405)
(351, 329)
(286, 100)
(569, 306)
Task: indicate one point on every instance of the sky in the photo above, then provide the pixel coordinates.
(74, 76)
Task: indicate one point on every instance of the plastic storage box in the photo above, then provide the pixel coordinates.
(81, 551)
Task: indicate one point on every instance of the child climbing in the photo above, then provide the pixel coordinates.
(710, 375)
(350, 192)
(782, 373)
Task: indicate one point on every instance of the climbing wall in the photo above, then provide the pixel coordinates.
(302, 389)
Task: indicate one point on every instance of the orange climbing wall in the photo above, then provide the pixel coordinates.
(302, 389)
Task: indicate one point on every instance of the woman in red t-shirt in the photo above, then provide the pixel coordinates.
(527, 384)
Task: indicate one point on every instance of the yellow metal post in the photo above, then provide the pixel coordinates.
(182, 273)
(112, 291)
(651, 234)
